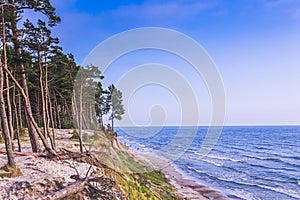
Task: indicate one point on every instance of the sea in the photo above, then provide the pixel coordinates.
(245, 162)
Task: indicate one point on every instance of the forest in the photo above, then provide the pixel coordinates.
(39, 87)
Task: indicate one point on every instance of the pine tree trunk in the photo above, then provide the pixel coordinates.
(8, 102)
(4, 122)
(38, 112)
(75, 110)
(16, 119)
(67, 110)
(91, 115)
(52, 122)
(101, 121)
(45, 130)
(85, 116)
(84, 123)
(55, 112)
(112, 122)
(48, 105)
(80, 117)
(58, 118)
(35, 145)
(34, 124)
(20, 111)
(33, 135)
(9, 113)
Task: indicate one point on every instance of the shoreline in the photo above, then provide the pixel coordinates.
(186, 188)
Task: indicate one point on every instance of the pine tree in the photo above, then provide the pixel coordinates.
(101, 105)
(114, 101)
(84, 85)
(38, 40)
(62, 74)
(16, 9)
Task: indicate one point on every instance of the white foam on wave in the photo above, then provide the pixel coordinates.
(223, 157)
(213, 162)
(242, 194)
(289, 192)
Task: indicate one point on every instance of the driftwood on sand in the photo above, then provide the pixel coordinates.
(26, 154)
(101, 188)
(72, 189)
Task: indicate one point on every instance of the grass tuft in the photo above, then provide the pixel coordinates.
(9, 172)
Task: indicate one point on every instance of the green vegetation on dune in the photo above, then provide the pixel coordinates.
(142, 186)
(133, 178)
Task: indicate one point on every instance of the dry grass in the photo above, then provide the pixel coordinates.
(9, 172)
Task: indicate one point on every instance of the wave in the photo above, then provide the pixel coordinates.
(274, 159)
(215, 156)
(274, 155)
(213, 162)
(277, 160)
(235, 147)
(231, 179)
(272, 168)
(286, 156)
(289, 180)
(289, 192)
(237, 180)
(221, 163)
(223, 158)
(267, 151)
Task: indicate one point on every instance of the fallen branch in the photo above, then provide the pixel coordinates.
(86, 157)
(72, 189)
(69, 150)
(26, 154)
(80, 185)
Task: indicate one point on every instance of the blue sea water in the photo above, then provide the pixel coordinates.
(246, 162)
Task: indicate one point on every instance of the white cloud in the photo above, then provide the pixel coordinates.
(160, 13)
(274, 3)
(285, 8)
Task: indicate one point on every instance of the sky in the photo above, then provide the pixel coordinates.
(254, 44)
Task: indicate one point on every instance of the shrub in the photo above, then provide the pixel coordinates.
(75, 134)
(85, 137)
(9, 172)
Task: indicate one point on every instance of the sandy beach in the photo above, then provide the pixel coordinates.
(186, 188)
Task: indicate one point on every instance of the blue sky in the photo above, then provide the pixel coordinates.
(255, 45)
